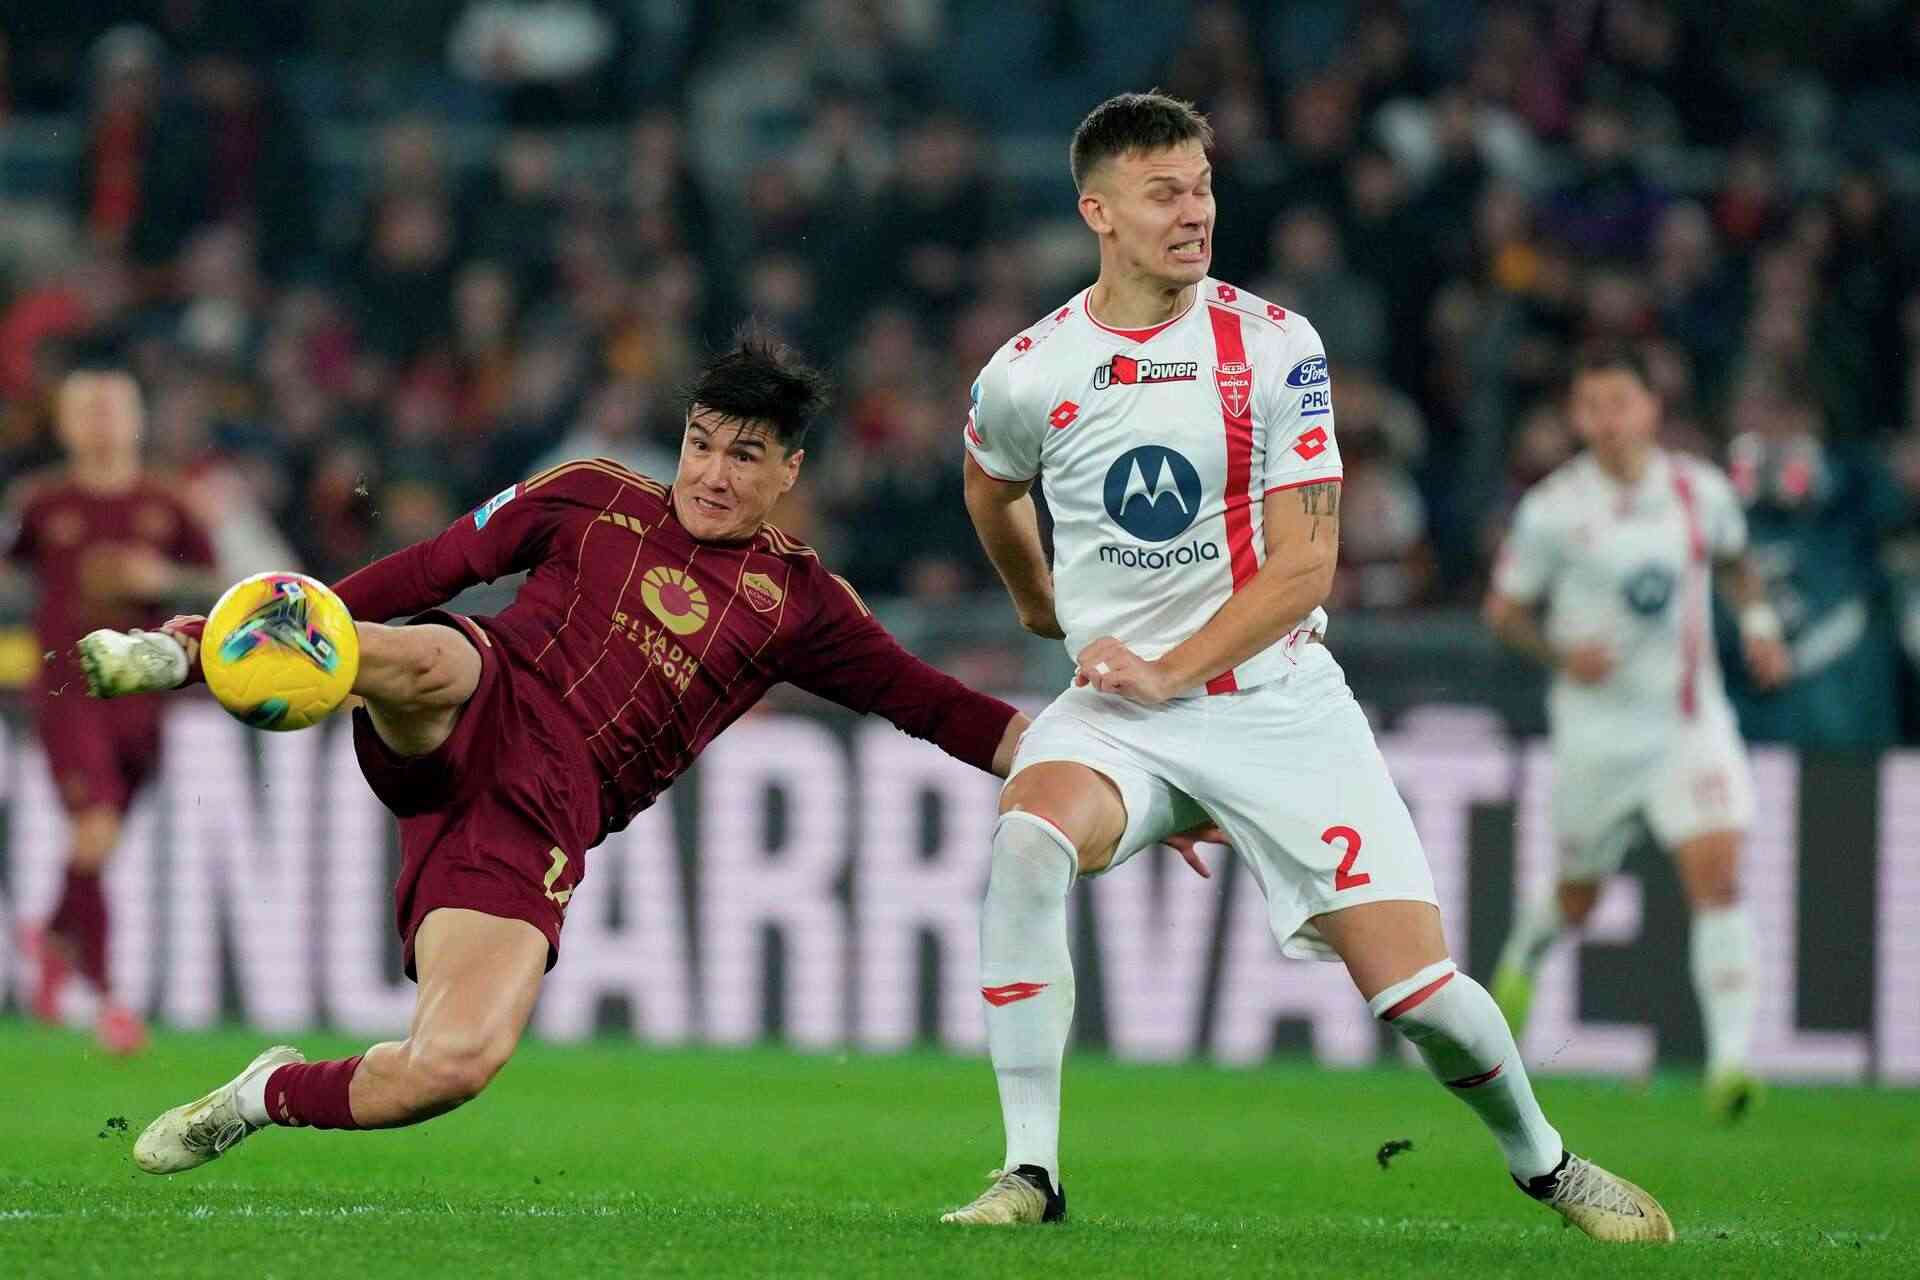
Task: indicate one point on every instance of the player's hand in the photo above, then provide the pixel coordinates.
(1111, 667)
(1769, 661)
(1042, 621)
(1589, 662)
(1185, 843)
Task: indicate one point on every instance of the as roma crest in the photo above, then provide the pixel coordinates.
(762, 592)
(1235, 385)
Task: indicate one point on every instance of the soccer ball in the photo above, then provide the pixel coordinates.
(280, 651)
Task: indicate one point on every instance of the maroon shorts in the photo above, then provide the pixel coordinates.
(99, 752)
(499, 817)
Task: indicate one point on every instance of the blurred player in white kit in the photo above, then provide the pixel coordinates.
(1620, 546)
(1183, 430)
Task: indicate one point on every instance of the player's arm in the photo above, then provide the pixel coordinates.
(847, 657)
(506, 534)
(1762, 637)
(1530, 561)
(1009, 527)
(1303, 548)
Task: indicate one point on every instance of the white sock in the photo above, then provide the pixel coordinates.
(1535, 930)
(1722, 947)
(251, 1098)
(1459, 1032)
(1026, 978)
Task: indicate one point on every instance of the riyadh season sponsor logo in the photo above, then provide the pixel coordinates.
(1129, 371)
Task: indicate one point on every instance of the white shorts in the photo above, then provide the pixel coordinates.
(1288, 770)
(1602, 805)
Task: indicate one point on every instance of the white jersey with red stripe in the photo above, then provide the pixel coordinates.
(1629, 566)
(1154, 449)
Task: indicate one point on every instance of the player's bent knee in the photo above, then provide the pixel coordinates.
(449, 1070)
(1079, 802)
(92, 836)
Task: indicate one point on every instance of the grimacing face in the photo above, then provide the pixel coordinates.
(731, 475)
(1614, 413)
(99, 416)
(1155, 209)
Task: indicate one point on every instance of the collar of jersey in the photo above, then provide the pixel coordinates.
(1134, 335)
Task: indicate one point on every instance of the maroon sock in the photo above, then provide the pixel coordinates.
(81, 921)
(313, 1094)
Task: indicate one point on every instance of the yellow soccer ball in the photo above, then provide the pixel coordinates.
(280, 651)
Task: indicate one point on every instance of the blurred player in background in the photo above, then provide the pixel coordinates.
(1184, 433)
(110, 546)
(650, 619)
(1620, 547)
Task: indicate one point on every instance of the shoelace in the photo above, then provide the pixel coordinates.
(204, 1137)
(1584, 1183)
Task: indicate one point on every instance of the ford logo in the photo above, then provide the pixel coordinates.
(1309, 372)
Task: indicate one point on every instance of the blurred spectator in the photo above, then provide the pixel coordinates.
(144, 176)
(1609, 209)
(547, 56)
(1311, 276)
(1818, 514)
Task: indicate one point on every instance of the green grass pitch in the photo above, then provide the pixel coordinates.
(619, 1161)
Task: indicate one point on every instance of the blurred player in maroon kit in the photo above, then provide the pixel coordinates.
(651, 618)
(109, 546)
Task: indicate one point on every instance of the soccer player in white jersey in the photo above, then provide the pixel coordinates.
(1183, 431)
(1620, 546)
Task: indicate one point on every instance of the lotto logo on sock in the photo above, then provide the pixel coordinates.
(1012, 992)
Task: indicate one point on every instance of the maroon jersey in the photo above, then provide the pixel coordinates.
(652, 641)
(67, 535)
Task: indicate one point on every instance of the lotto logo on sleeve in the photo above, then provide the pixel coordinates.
(1152, 492)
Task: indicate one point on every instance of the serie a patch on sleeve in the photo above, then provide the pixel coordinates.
(493, 504)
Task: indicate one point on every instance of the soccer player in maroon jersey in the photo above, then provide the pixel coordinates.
(109, 546)
(508, 746)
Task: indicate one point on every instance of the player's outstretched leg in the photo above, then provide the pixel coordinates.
(1534, 934)
(1721, 943)
(479, 976)
(1056, 819)
(1396, 954)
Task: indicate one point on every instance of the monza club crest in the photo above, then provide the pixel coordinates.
(1234, 382)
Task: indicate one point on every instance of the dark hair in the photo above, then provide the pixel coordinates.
(760, 380)
(1610, 355)
(92, 355)
(1134, 122)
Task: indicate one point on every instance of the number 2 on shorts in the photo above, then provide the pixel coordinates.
(1343, 876)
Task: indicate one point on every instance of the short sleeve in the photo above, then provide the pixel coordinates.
(1005, 445)
(1724, 520)
(1530, 557)
(1298, 407)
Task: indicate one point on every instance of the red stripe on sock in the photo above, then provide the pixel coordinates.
(1414, 1000)
(1012, 992)
(1470, 1082)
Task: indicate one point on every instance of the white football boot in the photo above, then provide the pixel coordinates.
(1017, 1196)
(1604, 1205)
(123, 662)
(189, 1136)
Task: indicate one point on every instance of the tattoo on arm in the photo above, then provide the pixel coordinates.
(1319, 500)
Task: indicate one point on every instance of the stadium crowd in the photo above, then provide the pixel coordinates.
(373, 258)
